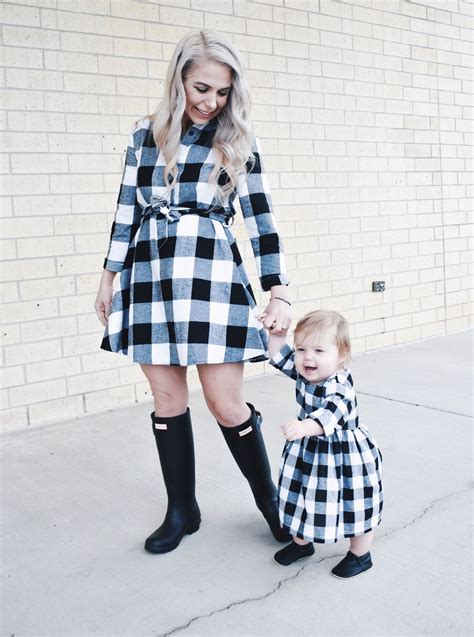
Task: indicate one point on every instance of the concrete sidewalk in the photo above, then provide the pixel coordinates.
(80, 496)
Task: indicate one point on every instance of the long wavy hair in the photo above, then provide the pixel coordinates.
(232, 142)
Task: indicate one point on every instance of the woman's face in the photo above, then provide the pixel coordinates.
(207, 89)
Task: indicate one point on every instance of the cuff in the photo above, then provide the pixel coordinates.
(281, 356)
(269, 280)
(113, 266)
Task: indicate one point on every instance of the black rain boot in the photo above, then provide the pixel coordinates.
(174, 440)
(248, 448)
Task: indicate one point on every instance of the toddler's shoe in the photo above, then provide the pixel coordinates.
(292, 553)
(352, 565)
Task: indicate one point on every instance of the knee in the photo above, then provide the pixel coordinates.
(170, 403)
(229, 413)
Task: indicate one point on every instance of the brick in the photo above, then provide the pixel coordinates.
(36, 121)
(46, 288)
(19, 270)
(87, 83)
(407, 335)
(54, 410)
(39, 163)
(26, 227)
(182, 17)
(37, 392)
(268, 62)
(9, 292)
(21, 57)
(49, 370)
(299, 34)
(87, 42)
(14, 419)
(14, 14)
(32, 352)
(48, 328)
(109, 398)
(34, 79)
(83, 303)
(39, 205)
(45, 247)
(12, 376)
(224, 23)
(92, 382)
(76, 183)
(96, 163)
(30, 37)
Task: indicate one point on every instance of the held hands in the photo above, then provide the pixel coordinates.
(276, 317)
(295, 429)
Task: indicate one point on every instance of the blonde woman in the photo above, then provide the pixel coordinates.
(184, 297)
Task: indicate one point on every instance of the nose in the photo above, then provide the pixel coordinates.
(211, 102)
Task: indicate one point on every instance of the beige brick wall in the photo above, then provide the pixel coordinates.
(363, 108)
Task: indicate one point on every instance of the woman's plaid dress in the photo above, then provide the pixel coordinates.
(184, 297)
(330, 486)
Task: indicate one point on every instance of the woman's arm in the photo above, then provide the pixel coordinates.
(128, 212)
(256, 204)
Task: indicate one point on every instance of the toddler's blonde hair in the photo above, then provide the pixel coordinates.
(323, 321)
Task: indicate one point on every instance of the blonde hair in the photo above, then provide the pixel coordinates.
(324, 321)
(232, 142)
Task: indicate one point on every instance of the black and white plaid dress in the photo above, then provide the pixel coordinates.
(330, 486)
(184, 296)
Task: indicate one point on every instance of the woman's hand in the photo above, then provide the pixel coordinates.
(276, 317)
(103, 300)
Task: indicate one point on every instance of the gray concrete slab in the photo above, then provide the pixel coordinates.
(80, 496)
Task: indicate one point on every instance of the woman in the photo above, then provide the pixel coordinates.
(184, 297)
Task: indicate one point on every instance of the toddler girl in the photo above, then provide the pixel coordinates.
(330, 482)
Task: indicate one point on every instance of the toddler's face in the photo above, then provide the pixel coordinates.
(317, 356)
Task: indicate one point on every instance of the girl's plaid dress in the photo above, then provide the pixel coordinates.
(184, 297)
(330, 486)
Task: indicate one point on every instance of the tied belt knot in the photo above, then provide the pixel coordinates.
(160, 208)
(163, 211)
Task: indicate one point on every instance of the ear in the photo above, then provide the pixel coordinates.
(343, 356)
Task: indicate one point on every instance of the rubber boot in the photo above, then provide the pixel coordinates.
(248, 448)
(174, 440)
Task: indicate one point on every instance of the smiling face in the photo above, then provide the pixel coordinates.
(317, 355)
(207, 89)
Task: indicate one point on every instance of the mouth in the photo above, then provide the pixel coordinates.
(310, 370)
(204, 113)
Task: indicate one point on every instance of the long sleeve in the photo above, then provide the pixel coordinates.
(128, 212)
(255, 201)
(337, 407)
(284, 360)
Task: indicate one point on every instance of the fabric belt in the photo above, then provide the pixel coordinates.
(161, 208)
(165, 213)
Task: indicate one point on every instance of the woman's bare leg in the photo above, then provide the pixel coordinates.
(222, 385)
(169, 388)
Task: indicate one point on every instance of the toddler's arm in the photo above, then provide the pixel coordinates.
(275, 343)
(294, 429)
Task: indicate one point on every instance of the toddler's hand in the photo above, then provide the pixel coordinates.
(294, 429)
(261, 317)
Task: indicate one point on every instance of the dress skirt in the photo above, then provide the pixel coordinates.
(184, 297)
(331, 486)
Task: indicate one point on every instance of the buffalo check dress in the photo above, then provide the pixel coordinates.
(330, 486)
(184, 296)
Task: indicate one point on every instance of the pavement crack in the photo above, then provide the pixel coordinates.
(407, 402)
(425, 511)
(239, 602)
(283, 581)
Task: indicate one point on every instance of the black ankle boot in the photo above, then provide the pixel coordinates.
(174, 440)
(248, 448)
